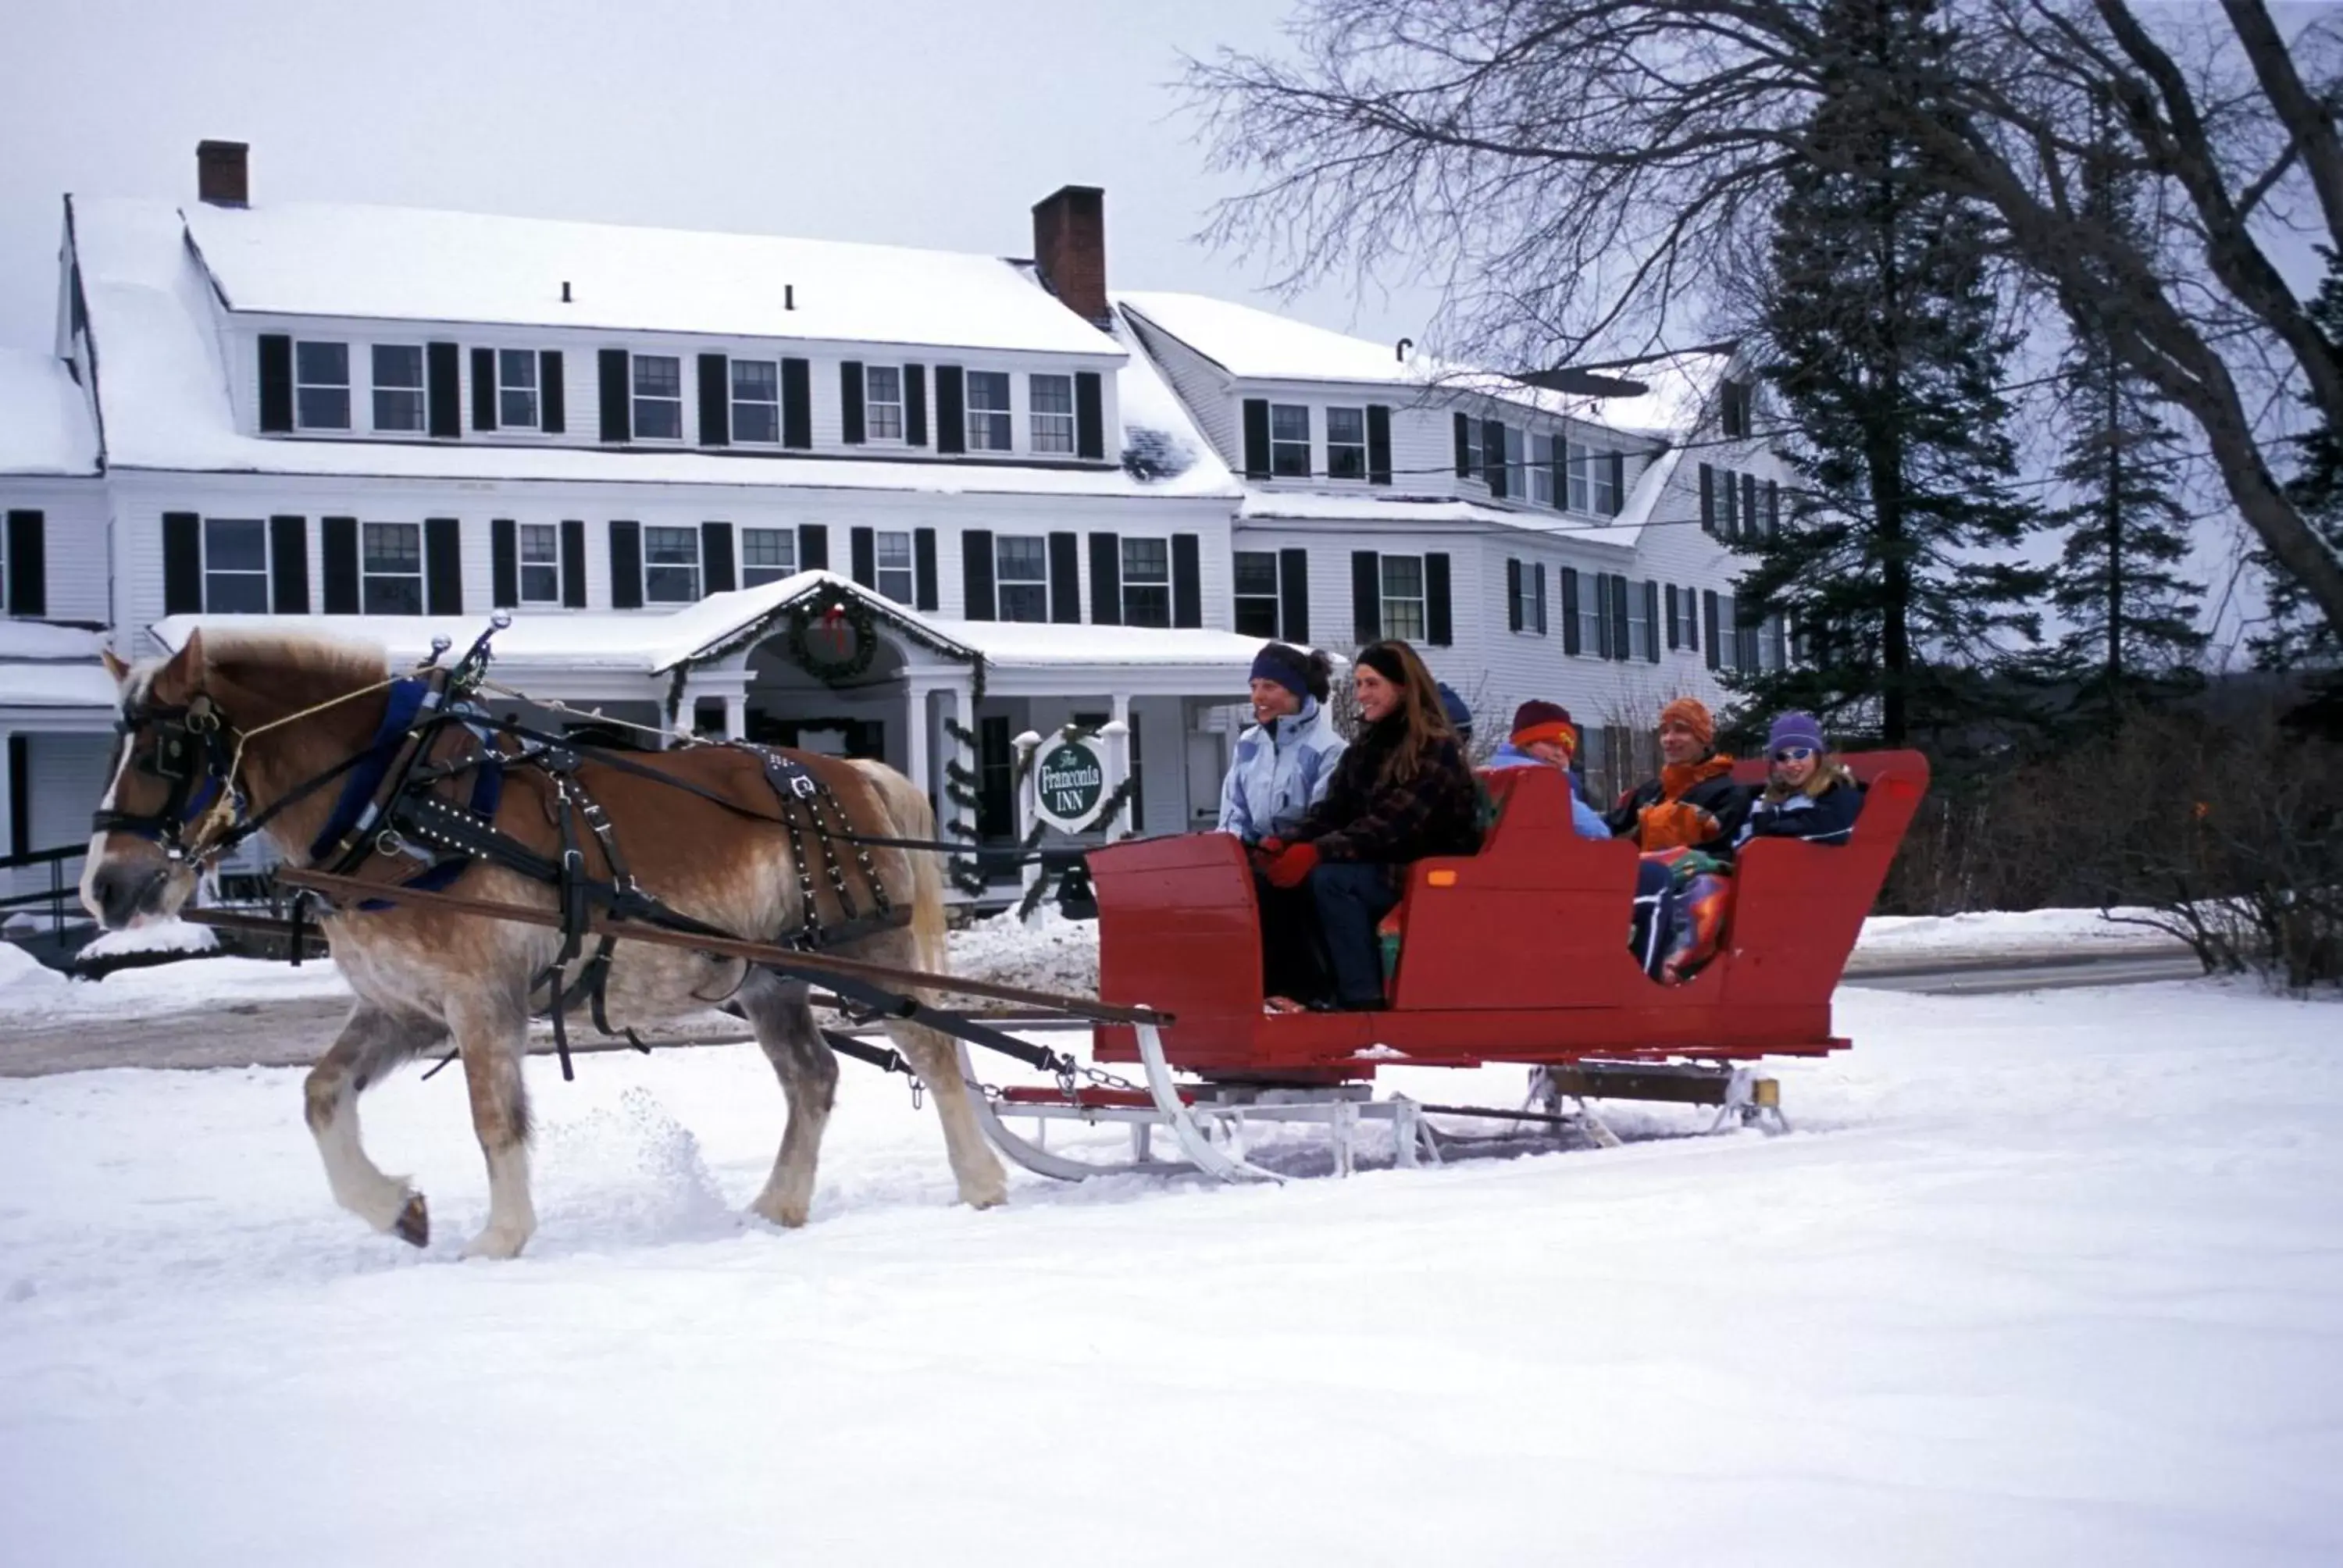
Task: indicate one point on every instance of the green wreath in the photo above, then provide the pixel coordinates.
(826, 605)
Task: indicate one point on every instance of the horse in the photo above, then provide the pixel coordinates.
(262, 716)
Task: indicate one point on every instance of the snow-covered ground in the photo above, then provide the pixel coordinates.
(2050, 1279)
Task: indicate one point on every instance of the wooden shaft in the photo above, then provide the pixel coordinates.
(779, 958)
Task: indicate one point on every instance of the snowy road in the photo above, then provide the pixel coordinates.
(2054, 1278)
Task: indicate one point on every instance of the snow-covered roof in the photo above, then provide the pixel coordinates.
(44, 424)
(162, 390)
(635, 642)
(409, 264)
(1251, 344)
(1399, 511)
(45, 665)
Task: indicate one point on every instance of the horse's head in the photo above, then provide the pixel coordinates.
(169, 778)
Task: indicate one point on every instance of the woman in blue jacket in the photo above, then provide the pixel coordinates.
(1284, 760)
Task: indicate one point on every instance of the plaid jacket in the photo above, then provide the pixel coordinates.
(1362, 819)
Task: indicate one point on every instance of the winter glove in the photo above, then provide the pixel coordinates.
(1292, 865)
(1677, 824)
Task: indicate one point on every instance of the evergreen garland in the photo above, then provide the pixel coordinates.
(828, 602)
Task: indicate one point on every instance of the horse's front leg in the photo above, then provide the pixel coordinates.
(372, 1043)
(491, 1034)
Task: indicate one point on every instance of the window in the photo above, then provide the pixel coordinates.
(882, 402)
(767, 556)
(1735, 414)
(658, 397)
(1777, 643)
(321, 386)
(1147, 582)
(1691, 607)
(1021, 571)
(1052, 413)
(1529, 595)
(1404, 597)
(1289, 441)
(1575, 477)
(1257, 601)
(1517, 457)
(1472, 428)
(1639, 622)
(1594, 616)
(517, 389)
(1541, 469)
(540, 564)
(670, 565)
(756, 401)
(398, 386)
(1729, 513)
(894, 555)
(1346, 443)
(1603, 489)
(988, 411)
(391, 568)
(235, 565)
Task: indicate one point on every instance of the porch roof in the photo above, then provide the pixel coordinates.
(52, 667)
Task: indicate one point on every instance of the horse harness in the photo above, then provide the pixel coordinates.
(395, 803)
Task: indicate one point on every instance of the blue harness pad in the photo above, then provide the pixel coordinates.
(355, 808)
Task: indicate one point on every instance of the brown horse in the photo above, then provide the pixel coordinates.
(303, 705)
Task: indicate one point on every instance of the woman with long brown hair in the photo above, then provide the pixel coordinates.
(1401, 791)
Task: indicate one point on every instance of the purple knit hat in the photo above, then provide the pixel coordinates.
(1796, 729)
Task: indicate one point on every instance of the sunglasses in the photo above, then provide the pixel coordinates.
(1794, 753)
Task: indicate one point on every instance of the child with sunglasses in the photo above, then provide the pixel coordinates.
(1810, 795)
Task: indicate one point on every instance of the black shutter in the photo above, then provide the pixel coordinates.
(337, 558)
(443, 566)
(1493, 455)
(503, 563)
(1676, 638)
(1691, 603)
(1707, 500)
(1463, 446)
(275, 381)
(626, 566)
(1570, 609)
(288, 564)
(483, 388)
(813, 547)
(1559, 464)
(1708, 625)
(1652, 620)
(1066, 579)
(1090, 416)
(1512, 594)
(1540, 598)
(862, 556)
(615, 423)
(28, 578)
(1187, 580)
(183, 562)
(1439, 624)
(797, 403)
(915, 405)
(923, 568)
(951, 413)
(573, 563)
(715, 400)
(1256, 438)
(1620, 587)
(1366, 597)
(552, 395)
(20, 795)
(716, 557)
(849, 402)
(976, 574)
(1379, 463)
(1749, 506)
(1106, 580)
(1294, 596)
(1773, 508)
(444, 378)
(1618, 483)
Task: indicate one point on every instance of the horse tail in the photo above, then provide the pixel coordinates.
(910, 816)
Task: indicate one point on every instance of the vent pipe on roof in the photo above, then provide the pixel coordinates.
(1401, 349)
(789, 296)
(223, 173)
(565, 291)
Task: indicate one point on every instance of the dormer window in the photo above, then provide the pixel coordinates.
(882, 402)
(1289, 441)
(398, 387)
(1735, 416)
(658, 397)
(1346, 443)
(756, 401)
(988, 427)
(1052, 413)
(321, 386)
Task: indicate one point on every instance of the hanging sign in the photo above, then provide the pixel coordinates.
(1069, 782)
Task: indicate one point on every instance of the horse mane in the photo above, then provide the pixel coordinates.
(334, 663)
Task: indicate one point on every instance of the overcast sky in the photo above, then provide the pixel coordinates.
(912, 122)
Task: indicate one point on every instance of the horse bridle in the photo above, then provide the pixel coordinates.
(194, 752)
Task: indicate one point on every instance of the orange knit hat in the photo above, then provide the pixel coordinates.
(1536, 720)
(1693, 715)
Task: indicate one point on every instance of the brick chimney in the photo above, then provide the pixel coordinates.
(1070, 248)
(223, 177)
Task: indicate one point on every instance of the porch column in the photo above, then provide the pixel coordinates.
(735, 716)
(915, 739)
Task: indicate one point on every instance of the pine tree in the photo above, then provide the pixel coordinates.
(2296, 636)
(1896, 566)
(2132, 638)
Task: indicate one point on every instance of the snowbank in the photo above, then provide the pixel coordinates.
(160, 937)
(1055, 954)
(22, 978)
(2034, 933)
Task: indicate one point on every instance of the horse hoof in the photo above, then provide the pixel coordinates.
(497, 1245)
(413, 1225)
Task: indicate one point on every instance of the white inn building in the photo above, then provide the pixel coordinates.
(693, 465)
